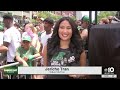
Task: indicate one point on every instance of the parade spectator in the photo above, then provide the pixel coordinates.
(40, 26)
(26, 53)
(32, 32)
(84, 26)
(48, 24)
(110, 18)
(78, 22)
(104, 21)
(12, 38)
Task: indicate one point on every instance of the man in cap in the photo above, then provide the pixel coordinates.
(84, 25)
(26, 53)
(84, 32)
(48, 25)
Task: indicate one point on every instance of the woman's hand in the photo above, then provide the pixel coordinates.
(38, 76)
(78, 76)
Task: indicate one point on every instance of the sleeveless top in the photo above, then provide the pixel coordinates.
(62, 58)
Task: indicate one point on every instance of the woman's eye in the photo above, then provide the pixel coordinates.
(68, 28)
(61, 27)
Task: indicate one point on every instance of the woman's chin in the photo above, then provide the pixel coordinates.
(65, 39)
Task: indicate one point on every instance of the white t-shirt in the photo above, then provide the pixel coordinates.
(1, 38)
(44, 38)
(13, 37)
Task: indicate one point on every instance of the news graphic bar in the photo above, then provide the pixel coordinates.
(60, 70)
(109, 76)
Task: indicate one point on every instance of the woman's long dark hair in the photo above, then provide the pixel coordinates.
(76, 44)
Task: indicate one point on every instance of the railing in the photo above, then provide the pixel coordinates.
(13, 64)
(9, 65)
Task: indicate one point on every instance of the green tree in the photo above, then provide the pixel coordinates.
(105, 14)
(74, 18)
(46, 14)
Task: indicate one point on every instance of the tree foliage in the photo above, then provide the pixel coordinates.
(46, 14)
(105, 14)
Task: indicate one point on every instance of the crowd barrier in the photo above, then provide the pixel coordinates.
(3, 67)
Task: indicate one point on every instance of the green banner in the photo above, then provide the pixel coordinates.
(13, 70)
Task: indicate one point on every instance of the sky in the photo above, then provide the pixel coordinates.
(87, 13)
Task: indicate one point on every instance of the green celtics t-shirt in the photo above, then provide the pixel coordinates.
(62, 58)
(26, 53)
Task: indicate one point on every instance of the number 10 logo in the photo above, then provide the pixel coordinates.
(110, 70)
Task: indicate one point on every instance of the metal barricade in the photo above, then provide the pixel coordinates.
(7, 66)
(2, 67)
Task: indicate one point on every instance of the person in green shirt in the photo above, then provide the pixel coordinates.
(26, 53)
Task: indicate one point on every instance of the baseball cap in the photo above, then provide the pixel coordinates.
(85, 18)
(49, 20)
(8, 16)
(26, 38)
(1, 28)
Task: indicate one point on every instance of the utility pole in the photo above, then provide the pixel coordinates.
(90, 16)
(95, 17)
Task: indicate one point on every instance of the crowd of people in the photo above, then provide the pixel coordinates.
(63, 43)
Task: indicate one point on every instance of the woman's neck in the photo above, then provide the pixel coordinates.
(64, 44)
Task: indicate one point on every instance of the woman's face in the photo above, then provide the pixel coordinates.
(65, 31)
(27, 28)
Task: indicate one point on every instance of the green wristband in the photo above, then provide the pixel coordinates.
(31, 57)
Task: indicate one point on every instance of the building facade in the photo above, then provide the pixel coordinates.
(17, 14)
(77, 14)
